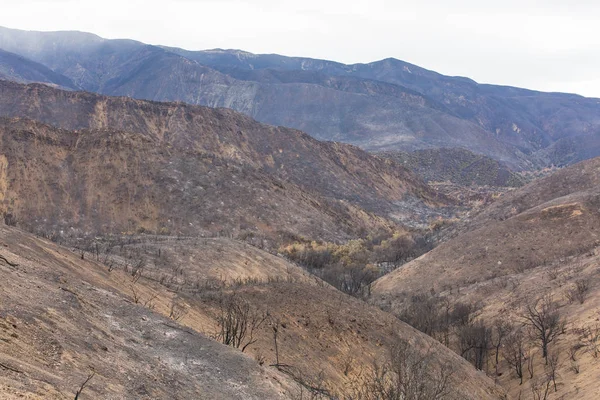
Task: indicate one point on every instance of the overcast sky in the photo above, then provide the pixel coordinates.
(551, 45)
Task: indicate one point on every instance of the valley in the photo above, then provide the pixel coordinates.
(219, 224)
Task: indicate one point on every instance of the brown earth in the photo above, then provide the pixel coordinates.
(126, 165)
(62, 316)
(539, 240)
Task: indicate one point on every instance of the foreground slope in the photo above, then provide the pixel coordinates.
(121, 164)
(62, 318)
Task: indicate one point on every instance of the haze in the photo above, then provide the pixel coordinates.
(545, 45)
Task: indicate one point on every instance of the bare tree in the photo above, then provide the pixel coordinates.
(474, 341)
(543, 317)
(552, 367)
(501, 329)
(462, 314)
(436, 316)
(573, 357)
(423, 313)
(591, 340)
(83, 385)
(177, 309)
(578, 292)
(274, 324)
(135, 293)
(407, 375)
(530, 364)
(150, 301)
(540, 388)
(238, 322)
(355, 279)
(514, 352)
(137, 270)
(573, 352)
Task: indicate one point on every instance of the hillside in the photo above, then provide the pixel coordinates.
(582, 177)
(123, 165)
(458, 166)
(63, 316)
(540, 240)
(545, 221)
(384, 105)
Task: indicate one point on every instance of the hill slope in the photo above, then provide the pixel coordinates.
(456, 165)
(65, 316)
(539, 240)
(62, 318)
(122, 165)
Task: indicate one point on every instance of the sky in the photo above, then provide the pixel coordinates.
(549, 45)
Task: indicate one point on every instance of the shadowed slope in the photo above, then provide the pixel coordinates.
(156, 162)
(16, 68)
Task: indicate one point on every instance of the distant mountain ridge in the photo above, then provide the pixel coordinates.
(19, 69)
(381, 106)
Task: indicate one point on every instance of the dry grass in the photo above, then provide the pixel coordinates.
(62, 317)
(73, 315)
(539, 240)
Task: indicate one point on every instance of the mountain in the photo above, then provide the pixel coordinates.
(131, 186)
(528, 119)
(540, 241)
(385, 105)
(98, 164)
(20, 69)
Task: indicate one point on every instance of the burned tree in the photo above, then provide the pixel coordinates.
(408, 374)
(474, 341)
(514, 352)
(545, 322)
(238, 322)
(501, 330)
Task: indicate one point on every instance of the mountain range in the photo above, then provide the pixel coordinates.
(385, 105)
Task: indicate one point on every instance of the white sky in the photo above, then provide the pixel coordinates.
(551, 45)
